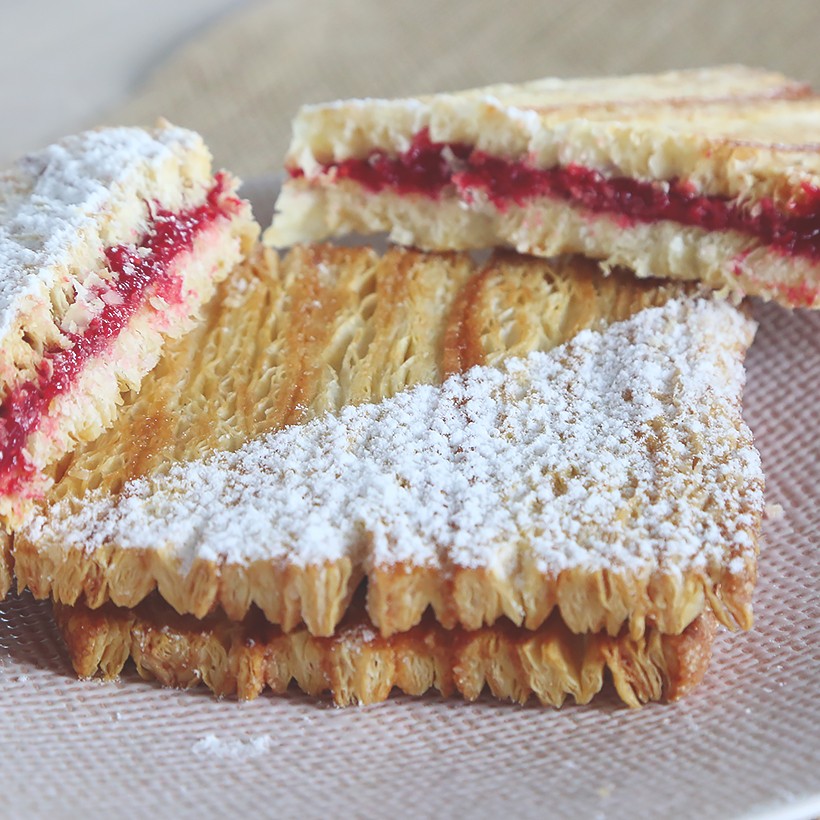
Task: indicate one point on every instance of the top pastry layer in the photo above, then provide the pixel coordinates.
(727, 131)
(621, 450)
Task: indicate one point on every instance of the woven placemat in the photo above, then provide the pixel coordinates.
(240, 83)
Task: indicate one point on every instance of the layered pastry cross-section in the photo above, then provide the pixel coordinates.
(110, 241)
(710, 174)
(518, 439)
(357, 665)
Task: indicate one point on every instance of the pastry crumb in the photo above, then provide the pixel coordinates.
(773, 512)
(232, 749)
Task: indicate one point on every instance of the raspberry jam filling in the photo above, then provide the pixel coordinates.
(138, 271)
(428, 168)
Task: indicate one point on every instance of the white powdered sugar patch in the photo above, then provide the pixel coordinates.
(622, 449)
(212, 746)
(529, 119)
(54, 199)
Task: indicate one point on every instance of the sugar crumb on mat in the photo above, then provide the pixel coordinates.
(232, 749)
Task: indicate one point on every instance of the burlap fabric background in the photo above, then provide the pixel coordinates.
(240, 83)
(747, 743)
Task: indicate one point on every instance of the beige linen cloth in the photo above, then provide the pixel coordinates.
(241, 83)
(746, 743)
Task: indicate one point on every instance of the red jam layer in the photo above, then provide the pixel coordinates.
(429, 168)
(137, 269)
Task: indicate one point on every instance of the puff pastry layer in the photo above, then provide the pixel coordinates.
(357, 665)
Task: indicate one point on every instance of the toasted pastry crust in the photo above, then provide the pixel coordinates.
(287, 341)
(734, 134)
(356, 665)
(63, 211)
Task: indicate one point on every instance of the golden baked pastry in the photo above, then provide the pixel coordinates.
(357, 665)
(109, 243)
(498, 439)
(710, 174)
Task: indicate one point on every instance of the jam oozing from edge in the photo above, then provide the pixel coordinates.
(136, 269)
(429, 168)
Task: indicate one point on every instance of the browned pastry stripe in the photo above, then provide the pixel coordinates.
(356, 665)
(286, 340)
(6, 563)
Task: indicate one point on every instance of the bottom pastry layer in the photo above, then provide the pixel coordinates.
(357, 665)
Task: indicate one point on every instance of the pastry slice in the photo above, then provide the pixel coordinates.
(110, 241)
(711, 174)
(504, 439)
(357, 665)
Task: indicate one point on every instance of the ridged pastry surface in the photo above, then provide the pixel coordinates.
(358, 666)
(327, 369)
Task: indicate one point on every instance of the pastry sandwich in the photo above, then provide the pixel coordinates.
(110, 241)
(415, 470)
(709, 174)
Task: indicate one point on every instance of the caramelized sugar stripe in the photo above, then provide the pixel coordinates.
(286, 341)
(357, 665)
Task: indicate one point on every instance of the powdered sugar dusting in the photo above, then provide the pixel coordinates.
(54, 199)
(239, 749)
(621, 449)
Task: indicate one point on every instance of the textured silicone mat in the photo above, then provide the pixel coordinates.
(747, 742)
